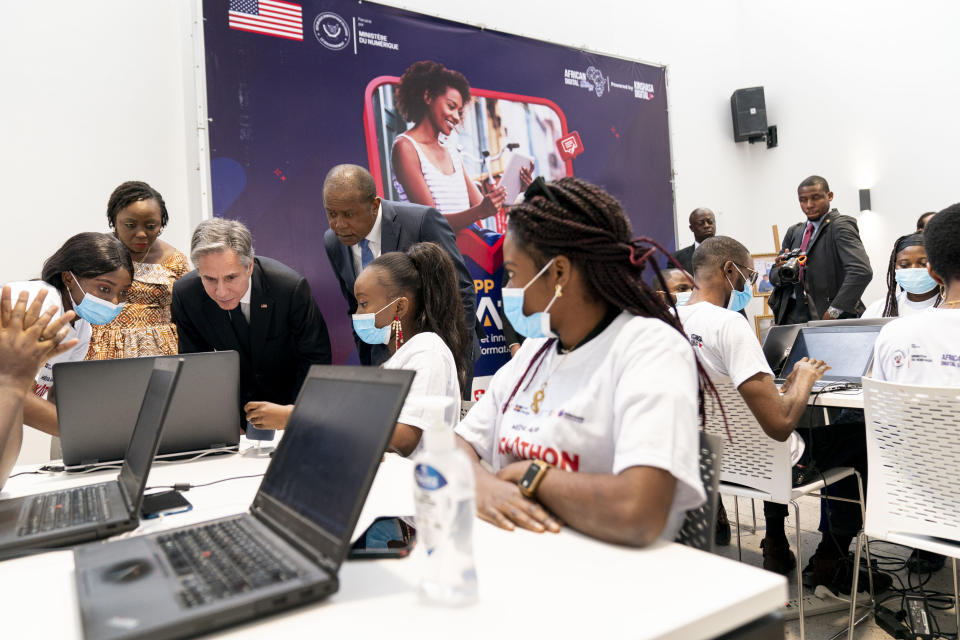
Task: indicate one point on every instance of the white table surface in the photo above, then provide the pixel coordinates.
(562, 585)
(849, 399)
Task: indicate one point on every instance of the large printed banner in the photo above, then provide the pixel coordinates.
(296, 88)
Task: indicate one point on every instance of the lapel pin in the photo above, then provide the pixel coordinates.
(263, 306)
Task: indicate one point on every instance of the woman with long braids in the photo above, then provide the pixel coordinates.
(907, 271)
(594, 422)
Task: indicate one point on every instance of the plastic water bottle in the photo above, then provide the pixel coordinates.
(445, 506)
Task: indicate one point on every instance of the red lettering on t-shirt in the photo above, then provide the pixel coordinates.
(529, 451)
(569, 463)
(548, 453)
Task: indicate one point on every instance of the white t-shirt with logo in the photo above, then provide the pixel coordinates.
(923, 348)
(626, 398)
(79, 330)
(905, 306)
(428, 355)
(727, 346)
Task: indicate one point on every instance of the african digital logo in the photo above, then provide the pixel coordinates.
(592, 80)
(331, 31)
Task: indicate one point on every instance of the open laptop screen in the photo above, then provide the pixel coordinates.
(146, 433)
(334, 441)
(848, 350)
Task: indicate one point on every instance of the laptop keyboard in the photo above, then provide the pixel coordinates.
(53, 511)
(222, 559)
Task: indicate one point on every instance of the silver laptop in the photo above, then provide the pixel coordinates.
(847, 349)
(282, 553)
(97, 404)
(59, 518)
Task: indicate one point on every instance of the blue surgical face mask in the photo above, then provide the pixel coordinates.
(682, 297)
(916, 280)
(365, 325)
(739, 298)
(92, 309)
(536, 325)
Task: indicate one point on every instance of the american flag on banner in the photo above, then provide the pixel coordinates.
(269, 17)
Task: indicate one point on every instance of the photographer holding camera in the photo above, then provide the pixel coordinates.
(822, 269)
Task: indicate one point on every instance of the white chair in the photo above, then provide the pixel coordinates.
(756, 466)
(913, 449)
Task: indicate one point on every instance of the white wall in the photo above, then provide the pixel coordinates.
(91, 97)
(864, 93)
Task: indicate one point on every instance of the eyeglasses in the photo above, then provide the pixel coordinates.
(752, 278)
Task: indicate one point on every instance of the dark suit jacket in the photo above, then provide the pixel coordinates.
(685, 257)
(837, 271)
(402, 225)
(287, 331)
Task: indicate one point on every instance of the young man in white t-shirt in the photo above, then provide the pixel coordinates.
(726, 346)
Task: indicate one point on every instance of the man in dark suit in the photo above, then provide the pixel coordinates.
(837, 270)
(363, 226)
(704, 225)
(256, 306)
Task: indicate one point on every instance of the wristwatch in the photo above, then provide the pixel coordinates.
(834, 313)
(533, 477)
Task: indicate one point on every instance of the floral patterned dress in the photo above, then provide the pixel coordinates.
(143, 328)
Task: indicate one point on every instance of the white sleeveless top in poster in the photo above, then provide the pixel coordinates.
(449, 191)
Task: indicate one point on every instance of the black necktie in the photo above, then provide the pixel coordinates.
(240, 328)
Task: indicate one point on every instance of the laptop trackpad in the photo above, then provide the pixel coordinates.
(122, 588)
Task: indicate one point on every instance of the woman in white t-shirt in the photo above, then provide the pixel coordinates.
(410, 302)
(594, 421)
(910, 289)
(425, 171)
(90, 275)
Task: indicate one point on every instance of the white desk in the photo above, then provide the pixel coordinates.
(563, 585)
(851, 399)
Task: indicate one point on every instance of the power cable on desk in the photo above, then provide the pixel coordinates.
(25, 473)
(186, 486)
(58, 468)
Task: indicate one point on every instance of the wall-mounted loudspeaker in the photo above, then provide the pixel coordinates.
(749, 114)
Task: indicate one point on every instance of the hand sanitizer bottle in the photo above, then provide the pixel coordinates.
(445, 507)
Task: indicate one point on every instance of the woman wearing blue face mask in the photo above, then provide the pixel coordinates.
(594, 422)
(910, 289)
(89, 275)
(410, 302)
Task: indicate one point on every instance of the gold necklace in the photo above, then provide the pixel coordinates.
(540, 393)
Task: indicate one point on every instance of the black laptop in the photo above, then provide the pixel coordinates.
(777, 344)
(847, 349)
(204, 414)
(59, 518)
(284, 552)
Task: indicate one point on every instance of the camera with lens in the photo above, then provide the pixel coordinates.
(789, 271)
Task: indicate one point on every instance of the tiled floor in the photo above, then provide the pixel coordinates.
(826, 626)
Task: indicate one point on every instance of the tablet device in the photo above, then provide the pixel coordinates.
(510, 180)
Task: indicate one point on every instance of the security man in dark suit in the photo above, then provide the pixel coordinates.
(704, 225)
(364, 226)
(256, 306)
(837, 269)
